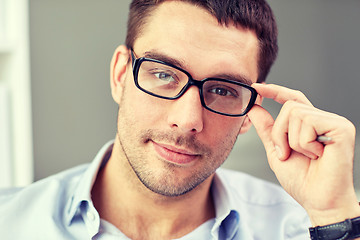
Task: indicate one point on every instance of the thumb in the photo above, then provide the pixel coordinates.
(263, 123)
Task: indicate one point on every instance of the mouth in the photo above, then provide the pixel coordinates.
(175, 155)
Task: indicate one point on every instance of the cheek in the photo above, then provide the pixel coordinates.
(220, 130)
(141, 107)
(221, 139)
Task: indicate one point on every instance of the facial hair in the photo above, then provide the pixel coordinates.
(169, 184)
(159, 176)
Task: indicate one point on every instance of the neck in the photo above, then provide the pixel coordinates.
(124, 201)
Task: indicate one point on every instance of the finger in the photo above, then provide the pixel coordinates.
(302, 124)
(300, 137)
(301, 141)
(308, 141)
(280, 94)
(294, 128)
(263, 123)
(282, 128)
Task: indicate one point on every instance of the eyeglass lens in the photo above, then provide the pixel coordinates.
(219, 95)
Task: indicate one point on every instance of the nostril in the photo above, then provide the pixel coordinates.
(186, 113)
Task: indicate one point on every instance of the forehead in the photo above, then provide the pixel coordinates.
(192, 35)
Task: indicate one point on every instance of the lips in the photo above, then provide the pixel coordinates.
(173, 154)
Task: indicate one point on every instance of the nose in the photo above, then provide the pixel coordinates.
(186, 112)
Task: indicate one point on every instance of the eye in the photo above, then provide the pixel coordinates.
(166, 76)
(223, 91)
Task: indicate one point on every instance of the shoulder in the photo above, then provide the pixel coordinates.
(39, 207)
(55, 182)
(252, 190)
(263, 206)
(44, 196)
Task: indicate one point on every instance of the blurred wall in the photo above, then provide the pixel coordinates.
(72, 43)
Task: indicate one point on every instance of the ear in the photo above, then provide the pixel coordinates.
(118, 71)
(247, 123)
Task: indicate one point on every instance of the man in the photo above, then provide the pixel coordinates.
(186, 88)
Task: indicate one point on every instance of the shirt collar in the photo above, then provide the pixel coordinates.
(82, 192)
(227, 217)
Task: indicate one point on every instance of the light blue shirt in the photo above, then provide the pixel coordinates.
(60, 207)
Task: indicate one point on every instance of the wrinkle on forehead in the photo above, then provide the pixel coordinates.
(158, 55)
(188, 32)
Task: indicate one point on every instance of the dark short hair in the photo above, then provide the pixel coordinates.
(255, 15)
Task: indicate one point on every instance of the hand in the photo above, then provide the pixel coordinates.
(318, 176)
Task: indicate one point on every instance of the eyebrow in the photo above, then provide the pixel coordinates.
(236, 78)
(163, 57)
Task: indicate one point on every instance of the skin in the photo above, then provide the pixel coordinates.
(147, 127)
(319, 177)
(142, 187)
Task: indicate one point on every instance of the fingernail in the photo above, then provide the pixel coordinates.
(313, 156)
(278, 152)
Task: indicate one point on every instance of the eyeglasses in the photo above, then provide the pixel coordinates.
(167, 81)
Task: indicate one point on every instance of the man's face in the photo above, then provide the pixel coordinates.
(174, 145)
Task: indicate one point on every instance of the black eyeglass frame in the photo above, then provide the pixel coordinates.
(136, 63)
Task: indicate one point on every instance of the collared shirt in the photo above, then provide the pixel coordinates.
(60, 207)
